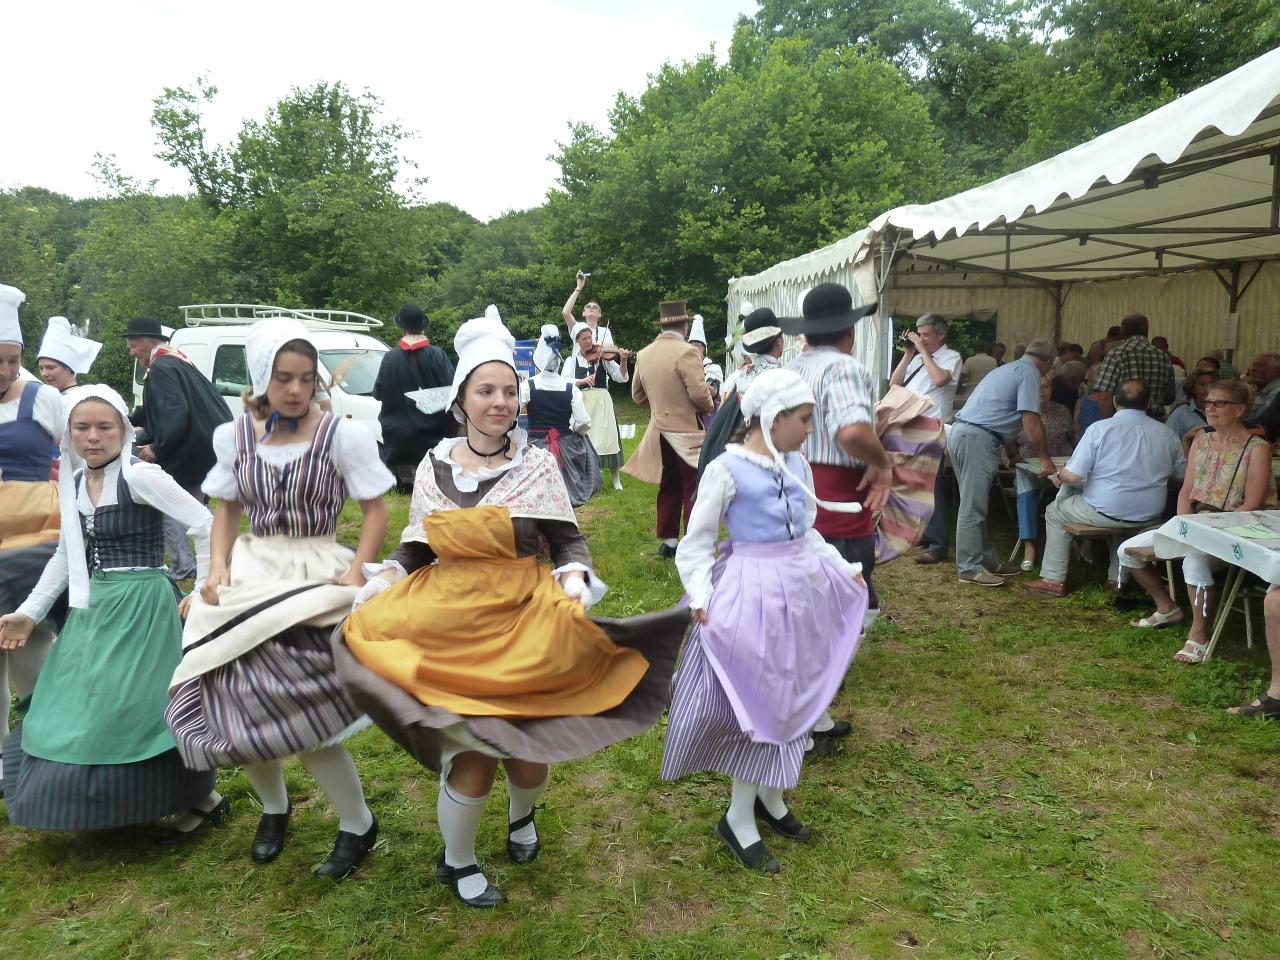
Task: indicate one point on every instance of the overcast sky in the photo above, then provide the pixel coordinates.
(488, 89)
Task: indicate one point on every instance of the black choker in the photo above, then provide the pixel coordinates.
(506, 445)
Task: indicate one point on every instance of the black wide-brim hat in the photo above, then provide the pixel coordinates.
(827, 308)
(145, 327)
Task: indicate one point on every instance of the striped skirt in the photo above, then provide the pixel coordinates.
(48, 795)
(281, 698)
(703, 732)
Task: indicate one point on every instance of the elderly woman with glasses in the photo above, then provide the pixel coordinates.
(1228, 468)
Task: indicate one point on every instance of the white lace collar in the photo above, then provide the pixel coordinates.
(738, 450)
(468, 482)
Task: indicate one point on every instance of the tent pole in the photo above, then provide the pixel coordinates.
(1057, 313)
(888, 253)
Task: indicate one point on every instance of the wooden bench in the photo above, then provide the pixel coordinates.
(1087, 531)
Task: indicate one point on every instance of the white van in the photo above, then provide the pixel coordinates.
(214, 337)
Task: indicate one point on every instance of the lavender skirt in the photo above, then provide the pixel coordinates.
(783, 627)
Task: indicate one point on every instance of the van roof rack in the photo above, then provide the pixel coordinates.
(243, 314)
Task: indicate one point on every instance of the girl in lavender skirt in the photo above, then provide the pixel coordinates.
(777, 620)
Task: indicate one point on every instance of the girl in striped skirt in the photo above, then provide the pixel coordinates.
(256, 683)
(94, 751)
(777, 620)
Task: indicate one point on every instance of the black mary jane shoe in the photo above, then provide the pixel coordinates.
(841, 728)
(754, 857)
(789, 826)
(349, 851)
(666, 551)
(449, 876)
(522, 852)
(173, 837)
(268, 839)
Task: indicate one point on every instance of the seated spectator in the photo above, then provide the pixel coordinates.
(1065, 387)
(1229, 468)
(1135, 359)
(1264, 376)
(1189, 417)
(1267, 705)
(1162, 343)
(1114, 339)
(998, 351)
(972, 371)
(1067, 352)
(1125, 463)
(1209, 363)
(1018, 350)
(1059, 433)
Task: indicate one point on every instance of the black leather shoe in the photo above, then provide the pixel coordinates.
(754, 857)
(789, 826)
(842, 728)
(820, 747)
(268, 839)
(349, 852)
(666, 551)
(449, 876)
(522, 852)
(173, 837)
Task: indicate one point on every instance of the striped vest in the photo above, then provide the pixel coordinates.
(123, 534)
(301, 499)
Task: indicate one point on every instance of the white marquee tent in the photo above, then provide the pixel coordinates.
(1175, 215)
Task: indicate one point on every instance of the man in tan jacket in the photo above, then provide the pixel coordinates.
(669, 380)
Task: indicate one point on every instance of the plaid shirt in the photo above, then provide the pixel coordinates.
(1136, 359)
(845, 397)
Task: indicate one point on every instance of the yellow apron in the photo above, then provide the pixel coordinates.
(486, 633)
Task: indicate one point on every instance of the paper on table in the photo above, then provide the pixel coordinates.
(1252, 531)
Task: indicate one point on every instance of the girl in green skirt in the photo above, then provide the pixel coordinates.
(94, 751)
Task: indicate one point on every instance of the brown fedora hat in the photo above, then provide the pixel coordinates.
(672, 311)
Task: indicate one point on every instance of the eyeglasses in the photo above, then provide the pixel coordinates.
(1219, 404)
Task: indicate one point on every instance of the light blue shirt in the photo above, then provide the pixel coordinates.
(1127, 462)
(1184, 418)
(1003, 396)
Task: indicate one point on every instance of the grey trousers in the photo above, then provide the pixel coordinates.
(975, 454)
(182, 559)
(1070, 506)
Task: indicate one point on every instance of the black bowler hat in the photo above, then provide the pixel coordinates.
(411, 319)
(759, 329)
(827, 308)
(145, 327)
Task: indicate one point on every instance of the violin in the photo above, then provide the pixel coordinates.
(605, 351)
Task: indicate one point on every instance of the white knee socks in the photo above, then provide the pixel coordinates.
(267, 780)
(520, 804)
(742, 812)
(335, 771)
(617, 479)
(459, 818)
(771, 798)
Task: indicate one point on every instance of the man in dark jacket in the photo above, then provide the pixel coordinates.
(180, 409)
(415, 364)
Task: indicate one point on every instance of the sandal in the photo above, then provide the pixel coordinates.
(1161, 621)
(1193, 656)
(1263, 706)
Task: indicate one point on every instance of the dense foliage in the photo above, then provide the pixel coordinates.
(822, 114)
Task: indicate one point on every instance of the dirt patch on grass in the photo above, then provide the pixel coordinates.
(676, 915)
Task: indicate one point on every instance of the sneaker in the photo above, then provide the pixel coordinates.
(982, 579)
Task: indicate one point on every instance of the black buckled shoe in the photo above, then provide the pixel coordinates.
(841, 728)
(268, 839)
(788, 826)
(754, 857)
(450, 876)
(523, 852)
(666, 551)
(349, 851)
(173, 837)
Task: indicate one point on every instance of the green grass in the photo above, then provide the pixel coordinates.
(1028, 779)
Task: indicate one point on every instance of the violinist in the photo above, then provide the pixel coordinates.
(593, 366)
(590, 316)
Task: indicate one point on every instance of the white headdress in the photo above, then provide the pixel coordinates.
(479, 341)
(265, 339)
(62, 344)
(546, 355)
(10, 299)
(697, 330)
(77, 567)
(770, 393)
(577, 329)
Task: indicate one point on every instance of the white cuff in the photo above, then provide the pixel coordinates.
(595, 587)
(393, 567)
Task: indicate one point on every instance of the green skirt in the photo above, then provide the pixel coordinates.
(101, 696)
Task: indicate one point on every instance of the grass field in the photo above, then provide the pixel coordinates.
(1027, 779)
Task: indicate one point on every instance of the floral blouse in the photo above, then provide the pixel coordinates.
(1218, 476)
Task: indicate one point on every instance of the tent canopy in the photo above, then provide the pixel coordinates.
(1191, 186)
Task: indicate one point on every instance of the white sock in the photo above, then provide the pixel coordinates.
(742, 813)
(617, 480)
(335, 771)
(459, 818)
(771, 797)
(869, 619)
(189, 821)
(671, 542)
(520, 804)
(267, 780)
(824, 722)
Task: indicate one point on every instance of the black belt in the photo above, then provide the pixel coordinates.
(1121, 520)
(978, 426)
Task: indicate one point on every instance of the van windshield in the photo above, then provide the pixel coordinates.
(353, 370)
